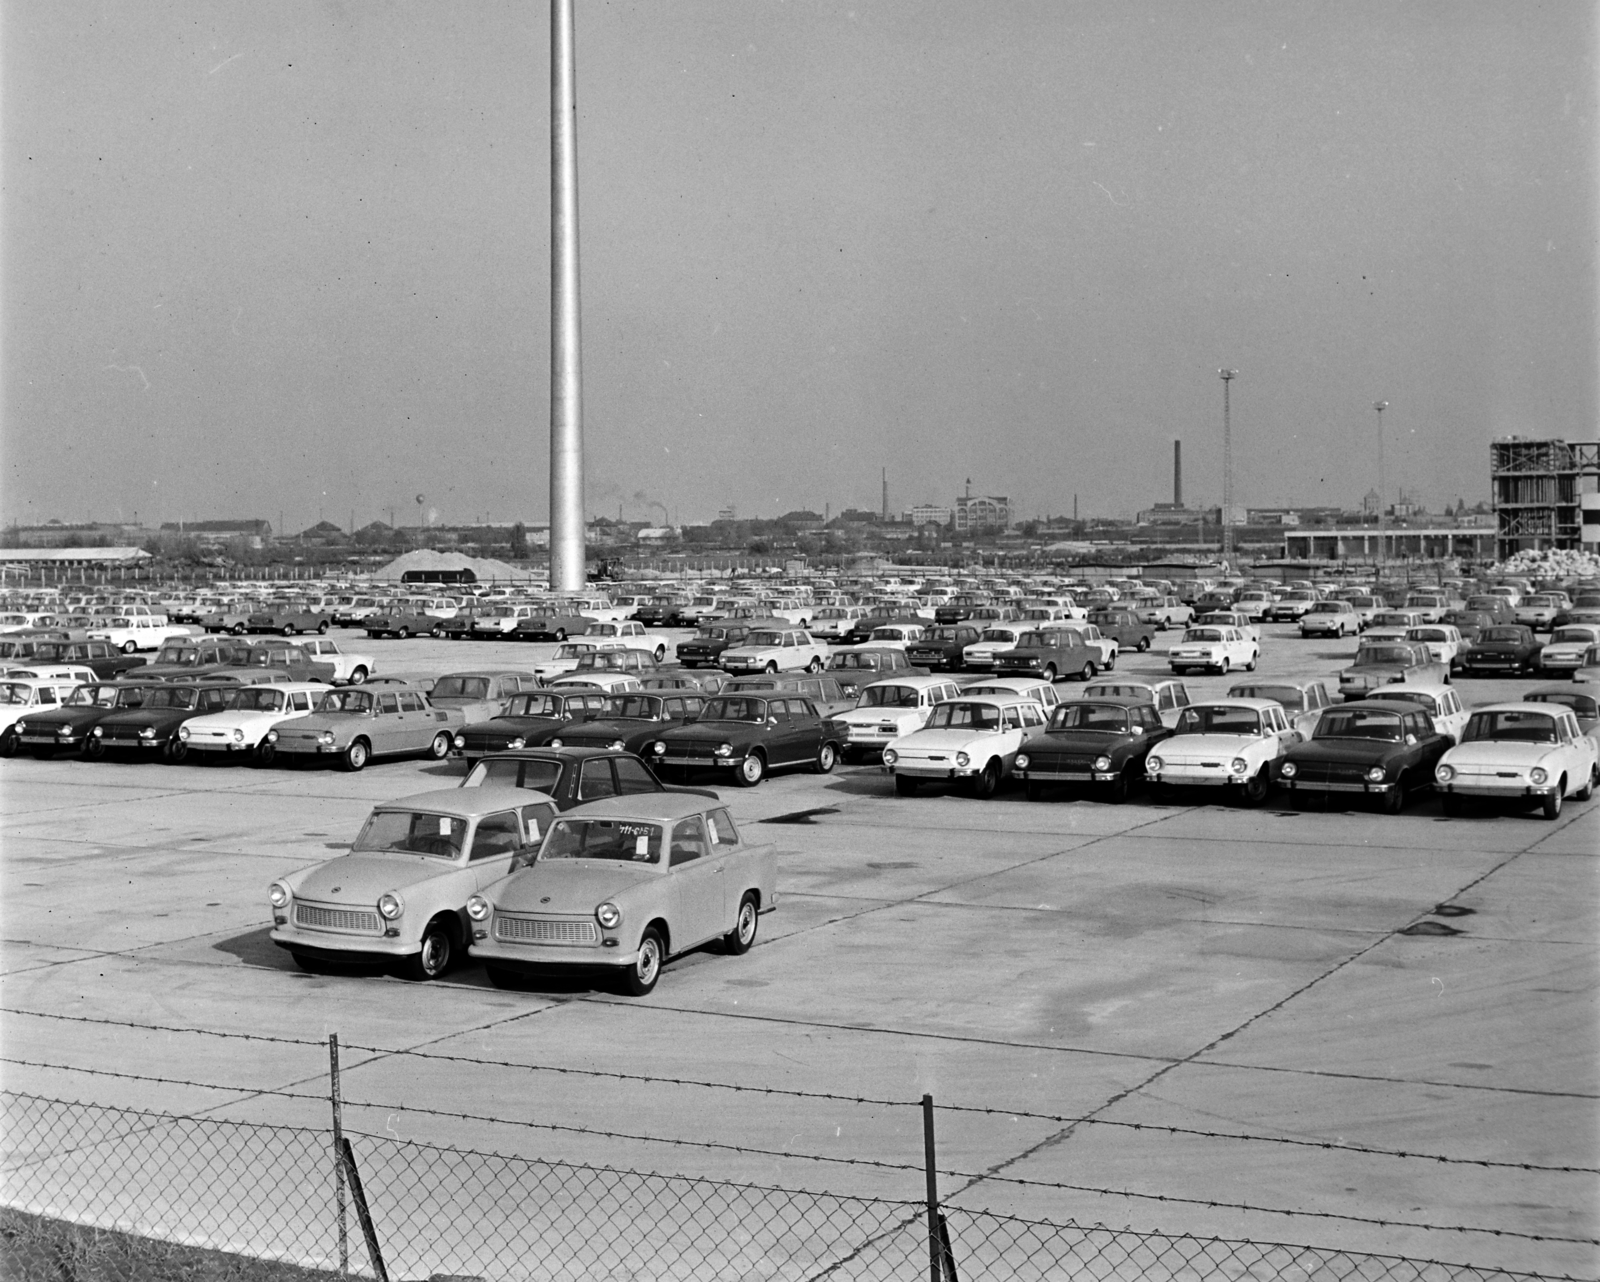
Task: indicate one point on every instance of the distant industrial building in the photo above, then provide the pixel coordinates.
(1537, 488)
(930, 514)
(975, 512)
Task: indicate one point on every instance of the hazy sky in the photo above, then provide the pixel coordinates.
(257, 253)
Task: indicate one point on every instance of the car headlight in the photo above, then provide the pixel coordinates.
(1238, 765)
(1288, 770)
(1022, 760)
(272, 736)
(962, 760)
(1153, 763)
(238, 736)
(1102, 763)
(99, 733)
(554, 743)
(724, 750)
(478, 908)
(278, 895)
(183, 733)
(21, 727)
(1375, 775)
(608, 915)
(390, 905)
(658, 748)
(890, 756)
(65, 732)
(616, 745)
(325, 737)
(1538, 776)
(1444, 774)
(149, 732)
(460, 741)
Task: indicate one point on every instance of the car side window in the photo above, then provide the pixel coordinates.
(1013, 719)
(1031, 716)
(688, 841)
(633, 777)
(1168, 700)
(388, 704)
(300, 702)
(497, 835)
(723, 833)
(595, 780)
(46, 695)
(536, 818)
(692, 705)
(410, 703)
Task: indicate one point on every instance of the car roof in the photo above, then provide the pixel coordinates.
(658, 806)
(1379, 705)
(1121, 700)
(915, 679)
(1013, 684)
(464, 803)
(1259, 705)
(1434, 688)
(1518, 707)
(484, 672)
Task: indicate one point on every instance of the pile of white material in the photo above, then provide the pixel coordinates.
(1552, 563)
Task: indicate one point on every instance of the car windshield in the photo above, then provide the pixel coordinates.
(171, 697)
(764, 638)
(1524, 727)
(1427, 634)
(1574, 636)
(1584, 705)
(853, 662)
(712, 634)
(417, 832)
(600, 661)
(1501, 634)
(965, 716)
(1407, 696)
(1203, 634)
(735, 710)
(1109, 718)
(184, 656)
(571, 650)
(633, 707)
(535, 705)
(516, 772)
(358, 702)
(1219, 719)
(623, 840)
(94, 697)
(1327, 607)
(1382, 654)
(888, 696)
(1288, 696)
(1358, 723)
(258, 699)
(461, 688)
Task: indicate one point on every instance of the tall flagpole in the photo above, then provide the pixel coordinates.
(566, 375)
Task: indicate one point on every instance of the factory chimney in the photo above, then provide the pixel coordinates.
(1177, 474)
(885, 494)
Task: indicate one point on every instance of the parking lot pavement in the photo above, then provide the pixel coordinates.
(1200, 967)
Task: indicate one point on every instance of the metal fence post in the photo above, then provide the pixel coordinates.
(935, 1260)
(338, 1152)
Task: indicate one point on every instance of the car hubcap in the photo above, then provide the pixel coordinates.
(649, 961)
(435, 953)
(747, 923)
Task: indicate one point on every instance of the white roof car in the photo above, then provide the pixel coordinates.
(776, 650)
(1222, 648)
(1441, 702)
(1527, 752)
(1224, 743)
(888, 709)
(1567, 646)
(242, 727)
(970, 740)
(1042, 692)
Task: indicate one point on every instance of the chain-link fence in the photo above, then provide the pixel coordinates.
(271, 1192)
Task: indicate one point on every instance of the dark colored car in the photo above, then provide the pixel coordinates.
(66, 728)
(458, 627)
(1123, 626)
(1048, 654)
(1585, 706)
(1378, 749)
(151, 729)
(658, 611)
(941, 647)
(1380, 663)
(1469, 623)
(628, 722)
(549, 625)
(746, 736)
(406, 622)
(640, 663)
(1508, 648)
(24, 645)
(195, 658)
(853, 669)
(1496, 607)
(706, 645)
(958, 608)
(824, 691)
(530, 718)
(100, 657)
(570, 776)
(860, 632)
(288, 618)
(1101, 743)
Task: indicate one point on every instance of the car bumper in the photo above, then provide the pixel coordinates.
(1504, 788)
(930, 770)
(1036, 774)
(327, 947)
(1196, 777)
(1331, 785)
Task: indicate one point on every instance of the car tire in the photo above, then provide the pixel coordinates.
(402, 633)
(358, 674)
(1088, 671)
(1394, 801)
(286, 630)
(772, 667)
(322, 627)
(905, 786)
(814, 666)
(1251, 666)
(1116, 792)
(237, 629)
(1551, 808)
(1253, 792)
(739, 940)
(1587, 791)
(436, 955)
(640, 978)
(175, 752)
(263, 754)
(1111, 662)
(439, 748)
(437, 633)
(355, 757)
(128, 647)
(561, 634)
(987, 780)
(752, 770)
(827, 756)
(8, 744)
(1144, 644)
(93, 748)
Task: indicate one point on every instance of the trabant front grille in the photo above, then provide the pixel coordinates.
(546, 930)
(355, 920)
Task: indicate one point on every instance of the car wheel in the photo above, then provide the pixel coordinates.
(437, 952)
(322, 627)
(437, 633)
(1117, 790)
(355, 756)
(827, 754)
(402, 633)
(439, 749)
(738, 940)
(987, 780)
(286, 630)
(1254, 790)
(1251, 666)
(640, 978)
(751, 771)
(1111, 662)
(1088, 671)
(358, 674)
(1144, 644)
(264, 753)
(905, 786)
(1587, 791)
(237, 629)
(772, 667)
(561, 634)
(93, 748)
(128, 647)
(1552, 799)
(175, 751)
(815, 665)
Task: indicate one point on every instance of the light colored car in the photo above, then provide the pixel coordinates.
(566, 657)
(401, 893)
(1392, 625)
(1444, 640)
(776, 650)
(1528, 752)
(68, 674)
(630, 634)
(1568, 645)
(1224, 743)
(1091, 636)
(972, 740)
(892, 636)
(20, 696)
(1163, 611)
(979, 656)
(480, 694)
(353, 726)
(1440, 702)
(1044, 693)
(610, 681)
(1170, 696)
(501, 620)
(347, 667)
(241, 727)
(1539, 610)
(832, 621)
(621, 885)
(1219, 648)
(137, 632)
(1302, 701)
(1292, 605)
(1330, 618)
(887, 710)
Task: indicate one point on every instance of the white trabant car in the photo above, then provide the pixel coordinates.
(241, 727)
(1568, 645)
(1525, 752)
(886, 710)
(630, 634)
(1219, 648)
(776, 650)
(1229, 619)
(1440, 702)
(401, 893)
(618, 886)
(1224, 743)
(350, 669)
(1330, 619)
(132, 632)
(979, 656)
(1539, 610)
(972, 740)
(502, 620)
(1444, 641)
